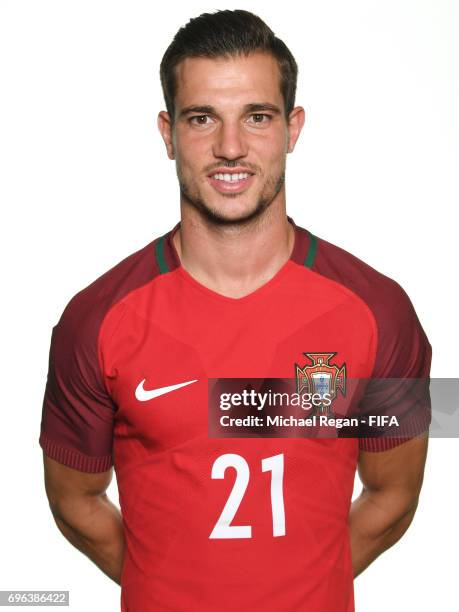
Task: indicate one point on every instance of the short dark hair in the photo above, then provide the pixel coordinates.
(226, 33)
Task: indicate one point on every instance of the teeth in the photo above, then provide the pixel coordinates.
(231, 178)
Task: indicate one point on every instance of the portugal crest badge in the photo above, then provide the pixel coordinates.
(322, 378)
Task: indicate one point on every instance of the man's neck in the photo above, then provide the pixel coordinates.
(234, 260)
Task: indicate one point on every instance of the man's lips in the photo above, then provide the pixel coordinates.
(233, 186)
(224, 184)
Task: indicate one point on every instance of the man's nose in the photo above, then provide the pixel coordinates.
(230, 141)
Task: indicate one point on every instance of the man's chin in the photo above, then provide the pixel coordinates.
(228, 215)
(231, 209)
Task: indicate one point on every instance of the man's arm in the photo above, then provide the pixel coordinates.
(85, 515)
(383, 511)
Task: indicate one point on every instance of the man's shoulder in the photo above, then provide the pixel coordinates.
(355, 274)
(85, 311)
(387, 300)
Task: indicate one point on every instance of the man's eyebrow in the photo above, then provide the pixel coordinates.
(264, 106)
(254, 107)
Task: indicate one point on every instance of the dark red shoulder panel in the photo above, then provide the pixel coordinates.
(77, 413)
(403, 350)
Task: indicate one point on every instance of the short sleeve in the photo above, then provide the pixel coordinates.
(77, 413)
(399, 385)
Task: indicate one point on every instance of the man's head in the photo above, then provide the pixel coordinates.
(229, 86)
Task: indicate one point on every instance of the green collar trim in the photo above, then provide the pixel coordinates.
(312, 250)
(160, 257)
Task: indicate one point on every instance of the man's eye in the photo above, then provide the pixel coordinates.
(258, 117)
(197, 119)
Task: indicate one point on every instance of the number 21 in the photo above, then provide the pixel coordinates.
(275, 465)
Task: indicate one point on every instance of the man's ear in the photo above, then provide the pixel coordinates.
(296, 121)
(165, 128)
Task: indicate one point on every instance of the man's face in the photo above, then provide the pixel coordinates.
(230, 120)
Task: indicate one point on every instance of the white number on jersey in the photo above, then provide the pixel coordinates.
(275, 464)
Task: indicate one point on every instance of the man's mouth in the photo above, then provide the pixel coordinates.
(230, 181)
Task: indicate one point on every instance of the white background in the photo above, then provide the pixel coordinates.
(85, 182)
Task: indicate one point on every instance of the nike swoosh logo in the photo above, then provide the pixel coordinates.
(143, 395)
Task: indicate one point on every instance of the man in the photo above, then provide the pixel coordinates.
(235, 289)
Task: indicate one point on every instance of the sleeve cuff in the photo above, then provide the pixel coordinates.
(73, 458)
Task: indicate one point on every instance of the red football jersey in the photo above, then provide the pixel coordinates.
(257, 524)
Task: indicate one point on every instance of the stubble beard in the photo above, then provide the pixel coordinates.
(191, 195)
